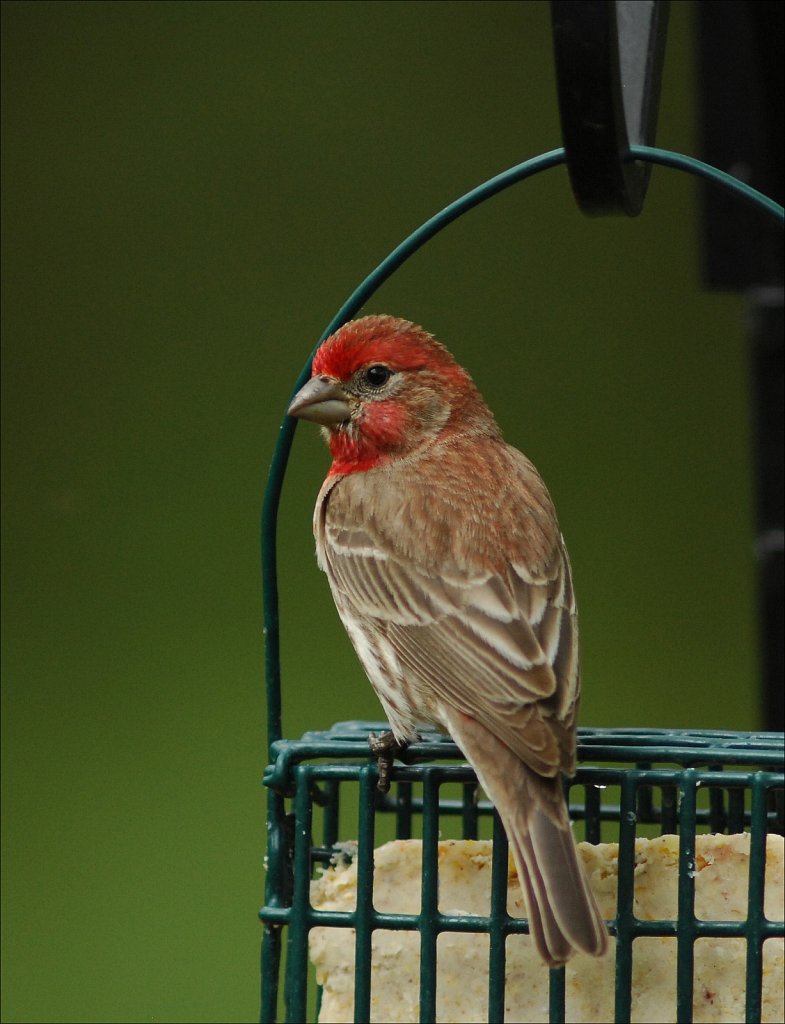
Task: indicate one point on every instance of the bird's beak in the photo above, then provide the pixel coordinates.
(322, 400)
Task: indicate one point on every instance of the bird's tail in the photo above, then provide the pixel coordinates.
(563, 915)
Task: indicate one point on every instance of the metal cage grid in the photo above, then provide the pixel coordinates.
(626, 779)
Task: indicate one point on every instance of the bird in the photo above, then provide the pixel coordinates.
(449, 572)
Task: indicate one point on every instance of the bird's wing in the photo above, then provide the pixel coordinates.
(499, 644)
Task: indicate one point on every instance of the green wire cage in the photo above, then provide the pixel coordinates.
(630, 784)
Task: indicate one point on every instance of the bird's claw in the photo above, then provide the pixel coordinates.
(386, 748)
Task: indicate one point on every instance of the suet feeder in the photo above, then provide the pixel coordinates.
(629, 782)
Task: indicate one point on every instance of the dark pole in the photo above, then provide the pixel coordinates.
(740, 50)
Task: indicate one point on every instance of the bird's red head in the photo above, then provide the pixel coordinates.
(384, 389)
(399, 344)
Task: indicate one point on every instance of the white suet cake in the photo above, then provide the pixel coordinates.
(721, 880)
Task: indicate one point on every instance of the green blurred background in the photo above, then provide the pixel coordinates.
(191, 191)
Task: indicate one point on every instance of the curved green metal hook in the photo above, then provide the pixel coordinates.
(668, 158)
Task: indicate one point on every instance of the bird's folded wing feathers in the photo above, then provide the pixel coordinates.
(498, 646)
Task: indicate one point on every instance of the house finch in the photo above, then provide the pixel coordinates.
(451, 577)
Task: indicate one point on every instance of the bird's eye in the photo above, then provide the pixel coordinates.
(377, 376)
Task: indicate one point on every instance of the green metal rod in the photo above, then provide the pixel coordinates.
(654, 155)
(756, 891)
(497, 944)
(429, 897)
(686, 931)
(512, 925)
(625, 912)
(363, 923)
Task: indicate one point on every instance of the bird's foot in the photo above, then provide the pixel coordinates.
(386, 748)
